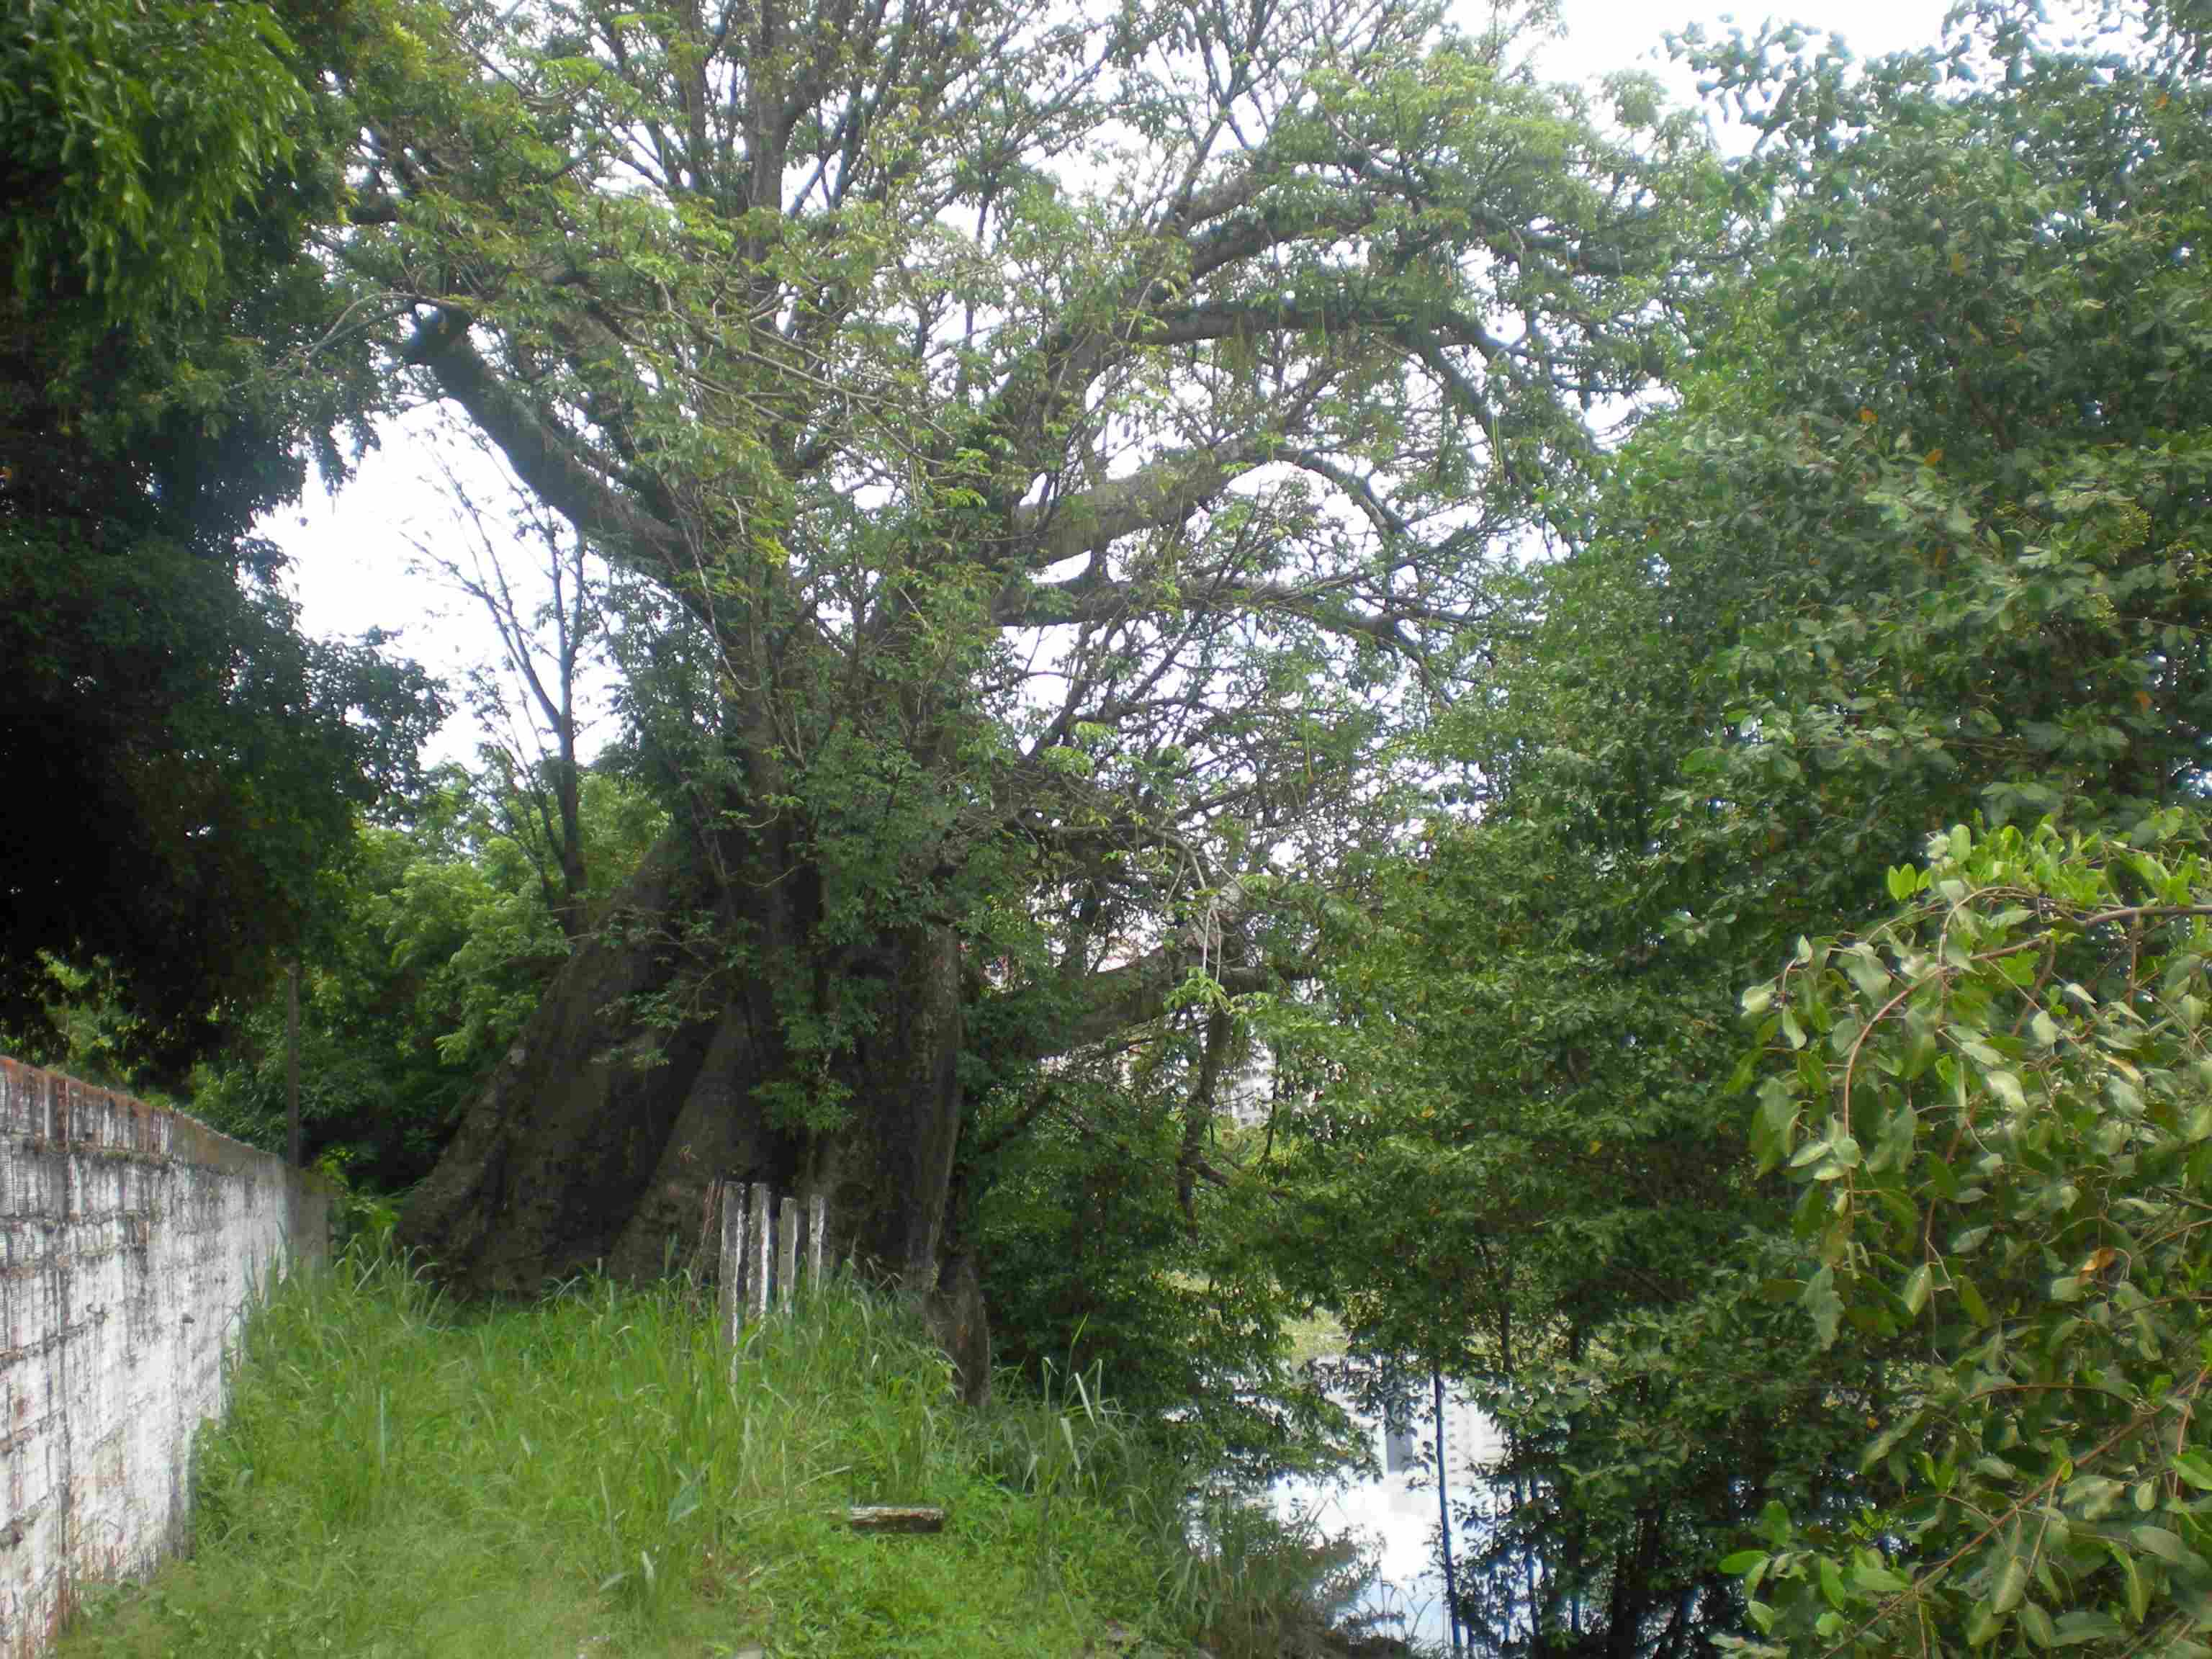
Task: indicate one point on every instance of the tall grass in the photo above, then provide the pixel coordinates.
(598, 1474)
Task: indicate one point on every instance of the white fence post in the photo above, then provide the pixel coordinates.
(756, 1255)
(787, 1252)
(733, 1258)
(761, 1252)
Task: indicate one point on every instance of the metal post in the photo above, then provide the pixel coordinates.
(1443, 1512)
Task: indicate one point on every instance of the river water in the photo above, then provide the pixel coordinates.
(1393, 1515)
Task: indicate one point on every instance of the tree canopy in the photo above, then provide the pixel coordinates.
(1074, 445)
(980, 382)
(1916, 545)
(192, 757)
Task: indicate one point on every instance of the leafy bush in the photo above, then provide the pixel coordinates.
(1996, 1104)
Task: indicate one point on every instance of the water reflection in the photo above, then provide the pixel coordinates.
(1393, 1514)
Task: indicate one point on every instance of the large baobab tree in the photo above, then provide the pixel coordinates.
(1070, 444)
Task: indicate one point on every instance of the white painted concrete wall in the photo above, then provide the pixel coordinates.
(131, 1240)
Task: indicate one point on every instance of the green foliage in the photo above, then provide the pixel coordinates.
(430, 946)
(1969, 468)
(1091, 1264)
(130, 137)
(88, 1029)
(169, 351)
(198, 760)
(1058, 468)
(1509, 1156)
(1995, 1103)
(1919, 540)
(599, 1471)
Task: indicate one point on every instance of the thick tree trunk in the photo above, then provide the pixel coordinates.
(598, 1136)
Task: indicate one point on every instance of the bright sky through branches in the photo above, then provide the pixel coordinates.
(353, 556)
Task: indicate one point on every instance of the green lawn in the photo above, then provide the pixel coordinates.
(596, 1475)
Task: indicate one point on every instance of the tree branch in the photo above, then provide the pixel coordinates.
(543, 457)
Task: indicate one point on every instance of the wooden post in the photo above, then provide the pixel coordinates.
(786, 1253)
(816, 1217)
(756, 1257)
(732, 1198)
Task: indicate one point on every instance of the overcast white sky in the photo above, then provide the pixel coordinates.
(352, 555)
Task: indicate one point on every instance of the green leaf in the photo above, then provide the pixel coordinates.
(1971, 1299)
(1811, 1152)
(1967, 1240)
(1874, 1578)
(1917, 1286)
(2195, 1468)
(1826, 1307)
(2157, 1541)
(2086, 1625)
(2138, 1588)
(1982, 1624)
(1832, 1584)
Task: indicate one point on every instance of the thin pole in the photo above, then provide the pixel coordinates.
(1443, 1512)
(292, 1058)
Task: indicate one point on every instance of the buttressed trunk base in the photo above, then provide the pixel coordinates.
(599, 1136)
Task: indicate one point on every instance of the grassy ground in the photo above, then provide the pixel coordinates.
(594, 1476)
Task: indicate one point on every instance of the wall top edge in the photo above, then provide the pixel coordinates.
(39, 1104)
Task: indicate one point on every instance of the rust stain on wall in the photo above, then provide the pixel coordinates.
(131, 1240)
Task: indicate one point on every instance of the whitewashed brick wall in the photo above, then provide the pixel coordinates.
(131, 1239)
